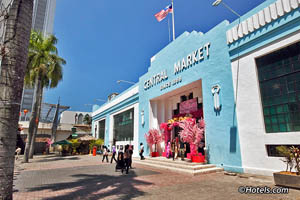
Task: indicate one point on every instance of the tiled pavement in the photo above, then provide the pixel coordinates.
(86, 177)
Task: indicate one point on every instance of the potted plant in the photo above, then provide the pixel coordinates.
(153, 137)
(289, 178)
(193, 133)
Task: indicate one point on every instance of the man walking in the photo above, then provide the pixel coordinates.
(113, 149)
(141, 151)
(130, 155)
(182, 149)
(18, 151)
(105, 154)
(127, 157)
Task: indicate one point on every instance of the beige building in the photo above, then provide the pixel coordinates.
(68, 120)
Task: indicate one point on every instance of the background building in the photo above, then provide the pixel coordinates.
(42, 20)
(67, 122)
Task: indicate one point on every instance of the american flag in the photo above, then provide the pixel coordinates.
(163, 13)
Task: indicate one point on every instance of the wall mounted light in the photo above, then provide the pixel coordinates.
(215, 90)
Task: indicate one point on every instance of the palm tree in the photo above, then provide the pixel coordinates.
(44, 70)
(14, 48)
(87, 119)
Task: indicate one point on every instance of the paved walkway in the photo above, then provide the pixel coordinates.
(86, 177)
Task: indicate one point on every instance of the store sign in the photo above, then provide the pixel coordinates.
(156, 79)
(194, 57)
(191, 59)
(188, 106)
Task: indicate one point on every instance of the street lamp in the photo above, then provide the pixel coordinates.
(119, 81)
(217, 2)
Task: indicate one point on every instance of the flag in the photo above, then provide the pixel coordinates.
(163, 13)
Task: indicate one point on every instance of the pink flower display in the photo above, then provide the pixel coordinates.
(49, 142)
(153, 137)
(192, 132)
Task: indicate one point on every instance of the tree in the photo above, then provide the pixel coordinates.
(192, 132)
(15, 24)
(87, 119)
(153, 137)
(44, 70)
(55, 123)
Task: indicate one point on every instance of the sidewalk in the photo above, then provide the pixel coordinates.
(86, 177)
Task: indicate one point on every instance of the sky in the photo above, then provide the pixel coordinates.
(108, 40)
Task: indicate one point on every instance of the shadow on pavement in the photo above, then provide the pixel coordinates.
(97, 187)
(57, 159)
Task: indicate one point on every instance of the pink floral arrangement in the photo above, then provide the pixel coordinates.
(49, 142)
(192, 132)
(153, 137)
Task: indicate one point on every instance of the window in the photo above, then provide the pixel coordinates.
(123, 125)
(279, 82)
(101, 130)
(80, 119)
(272, 152)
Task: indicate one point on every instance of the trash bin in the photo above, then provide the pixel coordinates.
(94, 151)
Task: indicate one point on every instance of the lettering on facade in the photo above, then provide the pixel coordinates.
(192, 58)
(156, 79)
(171, 83)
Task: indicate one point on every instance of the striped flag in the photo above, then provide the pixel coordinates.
(164, 12)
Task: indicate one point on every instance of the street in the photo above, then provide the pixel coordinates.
(86, 177)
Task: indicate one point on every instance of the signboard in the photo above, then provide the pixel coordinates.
(188, 106)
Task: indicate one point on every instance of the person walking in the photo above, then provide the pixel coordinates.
(182, 149)
(127, 157)
(142, 151)
(130, 156)
(113, 157)
(18, 151)
(173, 148)
(105, 154)
(120, 162)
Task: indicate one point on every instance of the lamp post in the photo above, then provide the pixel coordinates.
(217, 2)
(119, 81)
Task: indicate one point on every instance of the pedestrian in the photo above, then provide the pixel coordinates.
(120, 162)
(113, 149)
(176, 150)
(182, 149)
(121, 149)
(142, 151)
(173, 148)
(105, 154)
(169, 153)
(126, 157)
(130, 155)
(18, 151)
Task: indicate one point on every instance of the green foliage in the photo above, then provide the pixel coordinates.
(75, 143)
(96, 143)
(286, 153)
(43, 61)
(291, 157)
(296, 157)
(87, 119)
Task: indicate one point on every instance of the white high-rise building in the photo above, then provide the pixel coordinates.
(42, 20)
(43, 15)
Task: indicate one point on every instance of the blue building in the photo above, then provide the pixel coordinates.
(243, 78)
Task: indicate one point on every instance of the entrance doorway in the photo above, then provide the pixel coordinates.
(186, 101)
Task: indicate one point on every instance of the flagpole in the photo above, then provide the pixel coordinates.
(173, 20)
